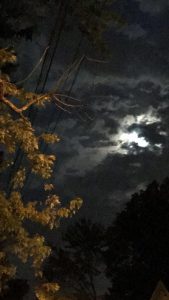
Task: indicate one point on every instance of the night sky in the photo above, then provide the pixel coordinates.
(124, 143)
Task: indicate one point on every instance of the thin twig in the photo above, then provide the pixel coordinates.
(64, 76)
(64, 103)
(69, 97)
(34, 69)
(62, 108)
(69, 71)
(96, 60)
(20, 110)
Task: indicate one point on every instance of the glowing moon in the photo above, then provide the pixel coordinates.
(133, 137)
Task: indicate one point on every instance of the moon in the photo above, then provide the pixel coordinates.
(133, 137)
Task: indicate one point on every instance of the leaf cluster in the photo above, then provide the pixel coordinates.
(15, 239)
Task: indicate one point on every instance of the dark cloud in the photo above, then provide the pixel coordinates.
(134, 31)
(93, 140)
(153, 6)
(109, 185)
(127, 94)
(151, 132)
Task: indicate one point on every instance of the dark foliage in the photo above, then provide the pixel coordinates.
(78, 263)
(12, 12)
(17, 289)
(138, 245)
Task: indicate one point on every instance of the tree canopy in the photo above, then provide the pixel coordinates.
(15, 238)
(81, 252)
(91, 19)
(138, 244)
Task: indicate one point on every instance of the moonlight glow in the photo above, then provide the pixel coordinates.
(133, 137)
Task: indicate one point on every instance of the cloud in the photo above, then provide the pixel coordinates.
(125, 109)
(153, 6)
(134, 31)
(107, 186)
(126, 144)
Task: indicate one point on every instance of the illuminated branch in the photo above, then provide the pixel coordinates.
(13, 106)
(48, 96)
(67, 96)
(34, 69)
(64, 103)
(45, 97)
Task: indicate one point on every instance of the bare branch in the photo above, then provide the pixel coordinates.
(34, 69)
(96, 60)
(69, 97)
(49, 95)
(73, 67)
(62, 108)
(64, 103)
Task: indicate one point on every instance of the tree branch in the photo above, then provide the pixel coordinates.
(23, 108)
(13, 106)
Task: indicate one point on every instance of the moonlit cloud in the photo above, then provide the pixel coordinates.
(130, 138)
(133, 137)
(149, 117)
(128, 97)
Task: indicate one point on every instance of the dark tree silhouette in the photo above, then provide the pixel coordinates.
(138, 245)
(17, 289)
(77, 265)
(15, 18)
